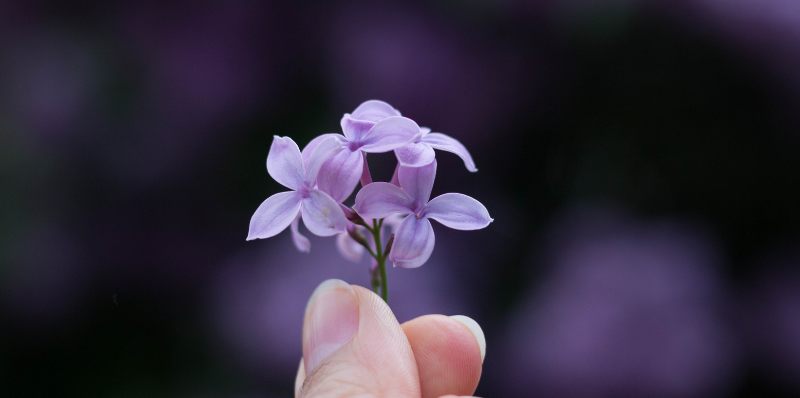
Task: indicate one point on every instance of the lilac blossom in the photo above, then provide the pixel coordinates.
(374, 127)
(414, 238)
(321, 214)
(326, 171)
(419, 152)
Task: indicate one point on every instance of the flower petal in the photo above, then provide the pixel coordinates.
(349, 248)
(457, 211)
(339, 175)
(354, 129)
(418, 183)
(366, 177)
(381, 199)
(327, 148)
(396, 180)
(322, 215)
(284, 163)
(413, 242)
(313, 144)
(446, 143)
(274, 215)
(415, 154)
(392, 222)
(388, 134)
(300, 242)
(374, 111)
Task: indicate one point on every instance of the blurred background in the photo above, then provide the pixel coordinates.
(639, 157)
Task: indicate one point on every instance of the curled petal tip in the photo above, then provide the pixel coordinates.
(302, 243)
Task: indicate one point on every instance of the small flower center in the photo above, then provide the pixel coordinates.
(353, 146)
(304, 192)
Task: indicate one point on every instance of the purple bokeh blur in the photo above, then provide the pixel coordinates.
(628, 308)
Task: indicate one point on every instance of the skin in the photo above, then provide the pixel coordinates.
(430, 356)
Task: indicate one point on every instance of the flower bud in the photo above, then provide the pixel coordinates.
(352, 216)
(389, 245)
(357, 236)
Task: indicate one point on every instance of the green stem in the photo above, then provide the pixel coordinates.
(376, 234)
(375, 281)
(385, 287)
(378, 275)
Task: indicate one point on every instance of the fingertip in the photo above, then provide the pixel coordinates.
(476, 331)
(331, 320)
(327, 285)
(353, 344)
(447, 355)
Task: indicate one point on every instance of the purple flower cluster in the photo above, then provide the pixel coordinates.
(327, 170)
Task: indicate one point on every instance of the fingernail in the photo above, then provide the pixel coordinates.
(331, 320)
(476, 331)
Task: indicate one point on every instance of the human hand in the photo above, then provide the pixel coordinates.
(354, 346)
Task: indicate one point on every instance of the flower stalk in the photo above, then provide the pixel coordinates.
(378, 272)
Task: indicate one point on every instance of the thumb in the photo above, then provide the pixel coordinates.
(353, 345)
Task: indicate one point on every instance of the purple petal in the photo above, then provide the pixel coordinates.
(327, 148)
(349, 248)
(366, 177)
(322, 215)
(424, 130)
(418, 183)
(354, 129)
(313, 144)
(445, 143)
(300, 242)
(381, 199)
(395, 179)
(274, 215)
(413, 242)
(457, 211)
(388, 134)
(392, 222)
(339, 175)
(374, 111)
(415, 154)
(284, 163)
